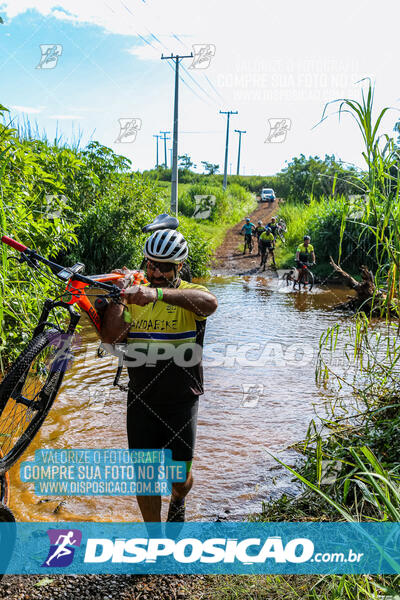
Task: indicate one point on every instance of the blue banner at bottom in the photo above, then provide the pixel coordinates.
(257, 548)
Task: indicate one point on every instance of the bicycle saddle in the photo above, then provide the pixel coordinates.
(164, 221)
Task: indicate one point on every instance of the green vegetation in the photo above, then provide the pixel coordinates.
(354, 218)
(337, 227)
(302, 178)
(222, 210)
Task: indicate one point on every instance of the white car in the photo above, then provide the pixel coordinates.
(267, 195)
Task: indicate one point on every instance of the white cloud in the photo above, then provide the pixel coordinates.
(32, 110)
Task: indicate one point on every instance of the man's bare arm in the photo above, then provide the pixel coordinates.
(197, 301)
(114, 329)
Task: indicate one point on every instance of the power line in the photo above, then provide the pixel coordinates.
(198, 85)
(213, 87)
(228, 113)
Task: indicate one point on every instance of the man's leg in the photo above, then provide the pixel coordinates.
(182, 446)
(262, 255)
(150, 507)
(143, 428)
(180, 489)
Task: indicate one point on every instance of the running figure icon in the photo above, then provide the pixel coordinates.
(61, 551)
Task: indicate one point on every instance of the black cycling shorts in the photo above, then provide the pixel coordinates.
(163, 426)
(266, 246)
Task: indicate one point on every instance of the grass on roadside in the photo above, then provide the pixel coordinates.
(231, 206)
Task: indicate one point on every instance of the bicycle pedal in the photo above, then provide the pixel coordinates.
(123, 387)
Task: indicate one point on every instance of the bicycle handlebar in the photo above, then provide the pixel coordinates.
(10, 242)
(57, 268)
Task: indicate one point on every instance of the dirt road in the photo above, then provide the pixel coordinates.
(229, 258)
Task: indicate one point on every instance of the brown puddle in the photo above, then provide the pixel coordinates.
(246, 409)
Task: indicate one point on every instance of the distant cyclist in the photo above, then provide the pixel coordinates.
(259, 230)
(248, 229)
(267, 243)
(273, 227)
(305, 255)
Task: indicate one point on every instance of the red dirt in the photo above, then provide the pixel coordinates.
(229, 258)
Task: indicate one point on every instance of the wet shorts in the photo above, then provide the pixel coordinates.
(163, 426)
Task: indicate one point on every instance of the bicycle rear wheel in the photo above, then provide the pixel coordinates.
(28, 392)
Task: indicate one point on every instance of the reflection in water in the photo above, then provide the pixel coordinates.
(260, 395)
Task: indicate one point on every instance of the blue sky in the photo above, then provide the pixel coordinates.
(272, 61)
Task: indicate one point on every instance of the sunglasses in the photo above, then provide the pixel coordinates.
(161, 266)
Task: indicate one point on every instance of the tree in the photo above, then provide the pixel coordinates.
(186, 162)
(304, 177)
(210, 168)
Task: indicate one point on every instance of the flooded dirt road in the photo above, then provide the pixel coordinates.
(259, 357)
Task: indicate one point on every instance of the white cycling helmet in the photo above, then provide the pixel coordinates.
(166, 245)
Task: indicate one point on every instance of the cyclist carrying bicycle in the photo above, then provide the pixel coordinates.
(273, 227)
(258, 231)
(248, 229)
(164, 389)
(305, 255)
(267, 242)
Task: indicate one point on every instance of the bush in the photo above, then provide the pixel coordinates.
(110, 232)
(228, 207)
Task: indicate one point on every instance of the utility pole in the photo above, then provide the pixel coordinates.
(228, 113)
(239, 131)
(165, 145)
(174, 169)
(157, 136)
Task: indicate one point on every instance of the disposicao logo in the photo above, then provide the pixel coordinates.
(190, 550)
(62, 547)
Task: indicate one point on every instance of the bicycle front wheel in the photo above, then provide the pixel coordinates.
(310, 275)
(28, 392)
(282, 237)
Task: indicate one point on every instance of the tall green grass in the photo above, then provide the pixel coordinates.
(225, 206)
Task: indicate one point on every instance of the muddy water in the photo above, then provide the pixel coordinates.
(259, 399)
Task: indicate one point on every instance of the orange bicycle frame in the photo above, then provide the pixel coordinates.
(75, 289)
